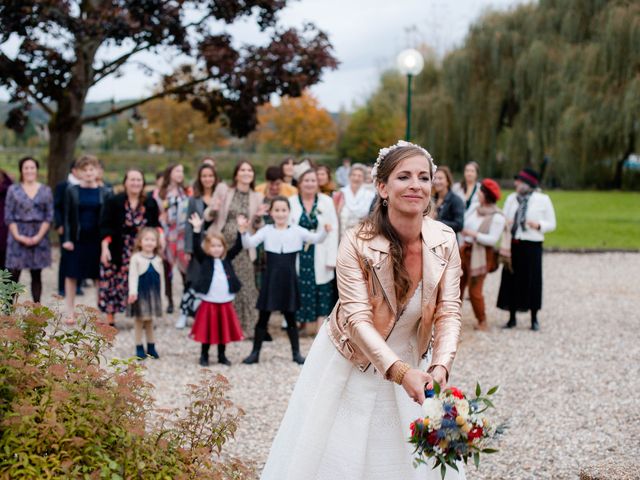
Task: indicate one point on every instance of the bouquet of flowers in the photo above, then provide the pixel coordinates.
(453, 428)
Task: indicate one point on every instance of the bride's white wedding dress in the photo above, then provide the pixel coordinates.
(342, 423)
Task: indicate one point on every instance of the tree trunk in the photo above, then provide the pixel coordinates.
(62, 144)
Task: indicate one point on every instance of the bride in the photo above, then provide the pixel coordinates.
(364, 379)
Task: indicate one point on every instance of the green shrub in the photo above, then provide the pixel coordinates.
(65, 414)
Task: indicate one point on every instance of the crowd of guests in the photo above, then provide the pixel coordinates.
(243, 249)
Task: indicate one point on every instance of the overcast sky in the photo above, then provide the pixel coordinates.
(366, 35)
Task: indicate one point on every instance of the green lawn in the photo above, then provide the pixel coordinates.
(595, 220)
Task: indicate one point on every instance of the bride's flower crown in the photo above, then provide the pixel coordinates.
(401, 143)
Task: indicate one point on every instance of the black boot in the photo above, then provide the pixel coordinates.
(151, 350)
(292, 332)
(221, 356)
(512, 320)
(204, 355)
(535, 326)
(258, 338)
(140, 352)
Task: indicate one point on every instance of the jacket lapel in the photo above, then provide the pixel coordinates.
(383, 269)
(433, 265)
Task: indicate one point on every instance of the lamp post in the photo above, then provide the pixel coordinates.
(410, 63)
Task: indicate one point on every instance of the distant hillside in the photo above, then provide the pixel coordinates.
(38, 116)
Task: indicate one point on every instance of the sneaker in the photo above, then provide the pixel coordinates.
(181, 322)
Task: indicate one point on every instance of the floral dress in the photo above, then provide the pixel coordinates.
(316, 300)
(245, 301)
(114, 279)
(28, 214)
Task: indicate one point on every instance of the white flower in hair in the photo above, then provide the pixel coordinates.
(383, 152)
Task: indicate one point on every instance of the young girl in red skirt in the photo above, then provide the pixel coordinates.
(216, 284)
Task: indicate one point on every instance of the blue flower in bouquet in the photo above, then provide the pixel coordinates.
(449, 423)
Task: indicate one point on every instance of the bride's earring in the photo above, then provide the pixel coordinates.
(385, 203)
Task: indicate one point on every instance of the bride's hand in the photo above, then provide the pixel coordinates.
(414, 382)
(439, 374)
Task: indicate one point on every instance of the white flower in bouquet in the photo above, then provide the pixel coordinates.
(462, 407)
(432, 408)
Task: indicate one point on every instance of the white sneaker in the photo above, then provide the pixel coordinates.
(181, 322)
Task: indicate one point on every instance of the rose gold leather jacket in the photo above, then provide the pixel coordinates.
(366, 311)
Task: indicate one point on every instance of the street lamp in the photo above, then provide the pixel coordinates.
(410, 63)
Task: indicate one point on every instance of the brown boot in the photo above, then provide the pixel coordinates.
(483, 326)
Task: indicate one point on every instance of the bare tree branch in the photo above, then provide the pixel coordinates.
(112, 66)
(40, 102)
(164, 93)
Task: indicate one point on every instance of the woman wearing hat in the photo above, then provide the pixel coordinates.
(482, 229)
(530, 215)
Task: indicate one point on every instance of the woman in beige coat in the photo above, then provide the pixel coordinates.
(364, 379)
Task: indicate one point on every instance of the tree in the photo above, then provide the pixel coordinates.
(297, 125)
(57, 63)
(378, 123)
(558, 78)
(173, 125)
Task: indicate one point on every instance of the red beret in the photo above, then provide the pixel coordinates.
(492, 187)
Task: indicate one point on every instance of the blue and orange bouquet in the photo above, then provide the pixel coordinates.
(454, 428)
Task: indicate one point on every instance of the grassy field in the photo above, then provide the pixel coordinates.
(595, 220)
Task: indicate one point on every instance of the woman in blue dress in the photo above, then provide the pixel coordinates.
(82, 213)
(28, 213)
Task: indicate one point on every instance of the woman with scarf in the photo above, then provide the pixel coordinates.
(483, 228)
(530, 215)
(353, 202)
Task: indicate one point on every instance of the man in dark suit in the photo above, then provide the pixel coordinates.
(58, 219)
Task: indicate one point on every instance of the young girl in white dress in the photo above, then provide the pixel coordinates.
(364, 380)
(279, 287)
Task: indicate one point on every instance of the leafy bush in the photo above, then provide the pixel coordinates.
(65, 414)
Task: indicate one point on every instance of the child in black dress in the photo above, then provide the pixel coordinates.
(279, 288)
(216, 284)
(146, 278)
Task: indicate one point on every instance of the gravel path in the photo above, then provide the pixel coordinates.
(567, 392)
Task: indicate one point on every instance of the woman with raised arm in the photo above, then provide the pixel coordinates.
(365, 377)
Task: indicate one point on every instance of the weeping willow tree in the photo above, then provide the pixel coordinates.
(560, 78)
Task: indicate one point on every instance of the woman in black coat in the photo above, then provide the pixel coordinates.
(123, 216)
(449, 206)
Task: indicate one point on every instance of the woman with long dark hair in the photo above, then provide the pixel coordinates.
(448, 206)
(203, 188)
(123, 217)
(399, 292)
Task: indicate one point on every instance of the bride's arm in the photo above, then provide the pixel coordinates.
(357, 310)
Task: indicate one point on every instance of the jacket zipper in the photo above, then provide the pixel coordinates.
(366, 261)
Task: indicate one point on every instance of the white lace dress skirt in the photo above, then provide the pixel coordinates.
(343, 423)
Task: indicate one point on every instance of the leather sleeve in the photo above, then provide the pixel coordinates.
(356, 309)
(446, 319)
